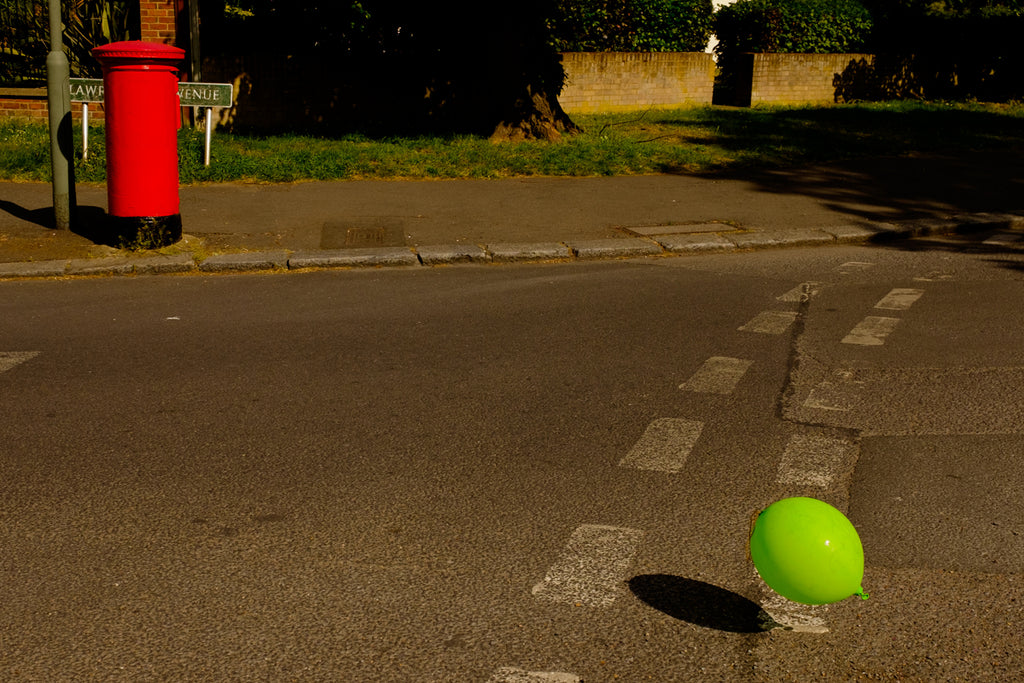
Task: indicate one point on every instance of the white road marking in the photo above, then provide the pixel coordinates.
(900, 299)
(851, 266)
(1002, 239)
(811, 460)
(934, 276)
(871, 331)
(8, 359)
(718, 375)
(801, 292)
(770, 322)
(592, 567)
(793, 615)
(838, 392)
(510, 674)
(664, 446)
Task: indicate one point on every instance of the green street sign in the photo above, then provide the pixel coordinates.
(205, 94)
(86, 90)
(191, 94)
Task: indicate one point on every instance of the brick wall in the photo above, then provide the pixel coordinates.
(159, 20)
(798, 78)
(629, 81)
(159, 25)
(30, 103)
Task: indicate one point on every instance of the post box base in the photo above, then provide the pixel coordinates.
(145, 232)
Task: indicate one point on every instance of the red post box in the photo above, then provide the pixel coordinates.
(140, 83)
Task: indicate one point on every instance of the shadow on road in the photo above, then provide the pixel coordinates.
(905, 187)
(916, 187)
(701, 603)
(89, 222)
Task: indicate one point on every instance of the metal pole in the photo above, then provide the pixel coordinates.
(58, 93)
(209, 134)
(195, 60)
(85, 131)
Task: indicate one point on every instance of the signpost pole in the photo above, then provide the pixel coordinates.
(85, 131)
(209, 135)
(58, 97)
(206, 96)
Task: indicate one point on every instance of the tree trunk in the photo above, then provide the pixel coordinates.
(536, 115)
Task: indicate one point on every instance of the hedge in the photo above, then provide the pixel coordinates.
(817, 26)
(631, 25)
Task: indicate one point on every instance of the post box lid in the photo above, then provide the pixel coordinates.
(143, 52)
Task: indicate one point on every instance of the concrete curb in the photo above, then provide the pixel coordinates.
(672, 244)
(245, 262)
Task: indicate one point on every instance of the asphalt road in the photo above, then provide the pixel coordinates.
(511, 473)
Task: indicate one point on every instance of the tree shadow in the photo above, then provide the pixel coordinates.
(701, 604)
(894, 164)
(964, 243)
(879, 165)
(907, 187)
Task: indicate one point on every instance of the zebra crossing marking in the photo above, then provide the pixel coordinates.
(718, 375)
(770, 322)
(510, 674)
(664, 446)
(871, 331)
(812, 460)
(9, 359)
(591, 568)
(802, 292)
(899, 299)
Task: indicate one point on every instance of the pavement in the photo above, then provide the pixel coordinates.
(974, 195)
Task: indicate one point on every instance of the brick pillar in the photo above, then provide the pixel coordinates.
(159, 19)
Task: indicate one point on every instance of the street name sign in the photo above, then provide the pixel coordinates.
(191, 94)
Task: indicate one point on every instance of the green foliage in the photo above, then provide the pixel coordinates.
(816, 26)
(948, 8)
(25, 39)
(693, 140)
(631, 25)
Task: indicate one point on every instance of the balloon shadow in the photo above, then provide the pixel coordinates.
(701, 603)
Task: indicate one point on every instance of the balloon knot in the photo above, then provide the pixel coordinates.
(862, 595)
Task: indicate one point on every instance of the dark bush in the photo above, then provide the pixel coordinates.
(631, 25)
(957, 49)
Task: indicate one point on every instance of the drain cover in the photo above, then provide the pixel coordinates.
(347, 236)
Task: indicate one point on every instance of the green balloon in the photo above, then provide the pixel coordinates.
(807, 551)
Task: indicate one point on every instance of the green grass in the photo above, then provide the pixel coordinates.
(695, 140)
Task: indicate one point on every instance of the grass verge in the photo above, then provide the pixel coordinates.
(695, 140)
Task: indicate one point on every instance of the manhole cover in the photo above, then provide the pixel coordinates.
(342, 236)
